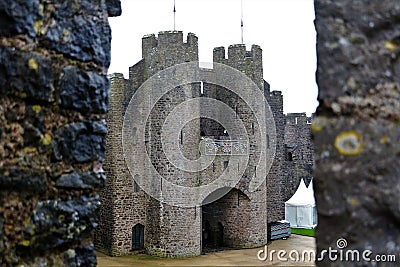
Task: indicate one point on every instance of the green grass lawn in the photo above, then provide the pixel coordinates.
(302, 231)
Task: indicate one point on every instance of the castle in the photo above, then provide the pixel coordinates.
(131, 219)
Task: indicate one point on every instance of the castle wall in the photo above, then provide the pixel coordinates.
(250, 62)
(104, 233)
(240, 233)
(122, 207)
(170, 231)
(275, 184)
(299, 152)
(179, 228)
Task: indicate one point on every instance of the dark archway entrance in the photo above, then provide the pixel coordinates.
(206, 234)
(223, 219)
(219, 237)
(213, 237)
(138, 237)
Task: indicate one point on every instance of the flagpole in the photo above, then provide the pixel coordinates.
(174, 17)
(241, 19)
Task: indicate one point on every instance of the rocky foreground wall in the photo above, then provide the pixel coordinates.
(54, 57)
(357, 131)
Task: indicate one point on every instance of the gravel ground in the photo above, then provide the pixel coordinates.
(243, 257)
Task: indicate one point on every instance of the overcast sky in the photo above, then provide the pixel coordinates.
(283, 28)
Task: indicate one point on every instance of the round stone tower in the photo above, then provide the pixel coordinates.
(170, 230)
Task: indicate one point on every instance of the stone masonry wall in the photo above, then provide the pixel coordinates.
(275, 178)
(250, 62)
(299, 153)
(169, 231)
(250, 234)
(177, 230)
(54, 57)
(356, 131)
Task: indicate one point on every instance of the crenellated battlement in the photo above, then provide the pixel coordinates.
(249, 62)
(165, 50)
(237, 52)
(117, 83)
(168, 40)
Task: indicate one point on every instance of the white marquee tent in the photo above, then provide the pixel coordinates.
(300, 209)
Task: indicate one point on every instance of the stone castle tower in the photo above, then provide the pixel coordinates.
(299, 153)
(130, 219)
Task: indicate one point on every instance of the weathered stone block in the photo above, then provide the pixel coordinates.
(356, 130)
(18, 17)
(79, 36)
(84, 91)
(87, 180)
(360, 40)
(357, 184)
(55, 223)
(25, 75)
(81, 142)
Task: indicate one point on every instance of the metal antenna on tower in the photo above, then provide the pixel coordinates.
(174, 16)
(241, 18)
